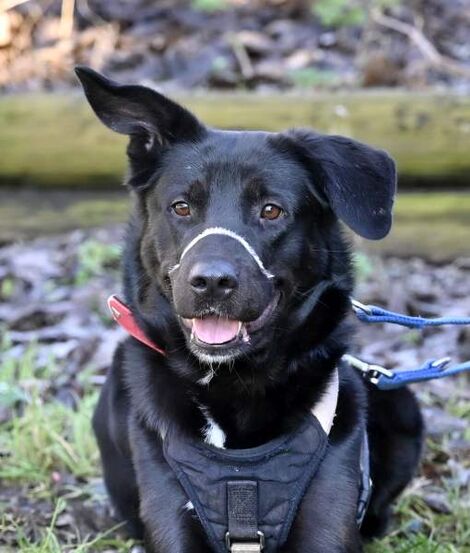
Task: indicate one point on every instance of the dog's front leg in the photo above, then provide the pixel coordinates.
(326, 520)
(170, 526)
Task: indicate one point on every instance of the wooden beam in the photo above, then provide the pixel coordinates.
(55, 140)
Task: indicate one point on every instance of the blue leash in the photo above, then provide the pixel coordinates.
(386, 379)
(374, 314)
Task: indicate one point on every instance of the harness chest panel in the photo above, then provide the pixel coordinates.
(248, 491)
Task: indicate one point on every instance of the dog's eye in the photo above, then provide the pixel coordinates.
(181, 209)
(271, 212)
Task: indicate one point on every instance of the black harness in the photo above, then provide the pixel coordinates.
(246, 499)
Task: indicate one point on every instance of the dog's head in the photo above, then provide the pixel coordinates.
(239, 230)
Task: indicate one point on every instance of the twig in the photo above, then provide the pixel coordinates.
(242, 56)
(426, 47)
(66, 18)
(84, 9)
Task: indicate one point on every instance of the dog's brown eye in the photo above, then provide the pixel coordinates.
(271, 212)
(181, 209)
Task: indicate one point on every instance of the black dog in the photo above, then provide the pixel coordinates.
(236, 265)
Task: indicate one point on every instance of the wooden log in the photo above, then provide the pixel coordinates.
(55, 140)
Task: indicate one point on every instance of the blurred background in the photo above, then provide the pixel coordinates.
(391, 73)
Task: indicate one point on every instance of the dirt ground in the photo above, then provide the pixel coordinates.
(56, 337)
(57, 341)
(260, 45)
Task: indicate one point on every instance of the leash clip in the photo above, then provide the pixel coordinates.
(371, 371)
(441, 363)
(358, 306)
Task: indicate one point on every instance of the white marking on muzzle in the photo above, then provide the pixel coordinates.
(231, 234)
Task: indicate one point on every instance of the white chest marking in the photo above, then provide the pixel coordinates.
(188, 506)
(213, 434)
(325, 409)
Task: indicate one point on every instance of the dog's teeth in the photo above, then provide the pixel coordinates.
(245, 335)
(188, 323)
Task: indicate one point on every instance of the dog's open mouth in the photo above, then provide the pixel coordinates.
(215, 331)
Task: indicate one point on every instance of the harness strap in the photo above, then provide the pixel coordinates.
(242, 514)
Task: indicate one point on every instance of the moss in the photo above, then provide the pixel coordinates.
(55, 140)
(26, 220)
(442, 243)
(447, 215)
(432, 225)
(433, 206)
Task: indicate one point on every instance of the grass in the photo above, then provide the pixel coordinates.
(421, 530)
(94, 258)
(310, 77)
(49, 542)
(47, 444)
(48, 436)
(40, 448)
(210, 5)
(7, 288)
(346, 13)
(339, 13)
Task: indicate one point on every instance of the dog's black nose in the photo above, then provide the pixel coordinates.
(214, 279)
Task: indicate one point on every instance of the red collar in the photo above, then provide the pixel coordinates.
(126, 320)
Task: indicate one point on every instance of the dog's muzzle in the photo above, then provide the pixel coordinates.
(220, 286)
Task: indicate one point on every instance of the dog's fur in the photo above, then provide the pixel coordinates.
(247, 392)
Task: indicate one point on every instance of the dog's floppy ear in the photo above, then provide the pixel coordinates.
(150, 119)
(357, 182)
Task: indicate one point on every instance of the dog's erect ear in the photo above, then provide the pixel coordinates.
(134, 109)
(357, 182)
(150, 119)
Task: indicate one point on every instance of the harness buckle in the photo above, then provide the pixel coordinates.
(245, 547)
(371, 371)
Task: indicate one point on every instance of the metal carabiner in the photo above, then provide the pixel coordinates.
(371, 371)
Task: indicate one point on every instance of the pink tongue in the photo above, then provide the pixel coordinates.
(214, 330)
